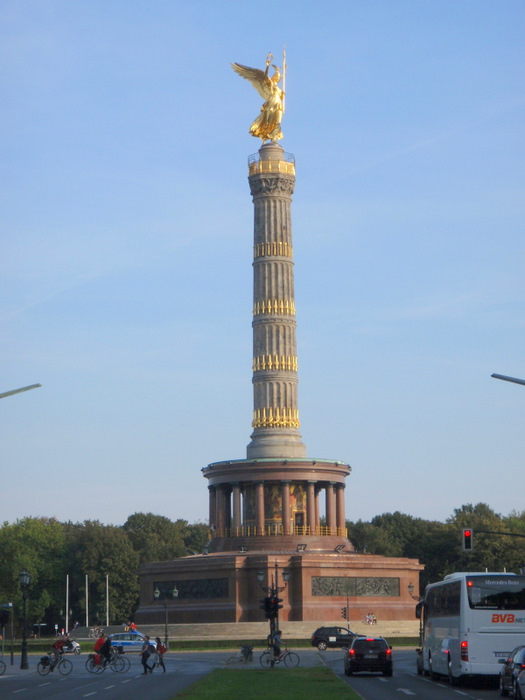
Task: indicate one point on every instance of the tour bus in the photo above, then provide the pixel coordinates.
(468, 622)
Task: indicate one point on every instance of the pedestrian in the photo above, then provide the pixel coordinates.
(161, 650)
(145, 655)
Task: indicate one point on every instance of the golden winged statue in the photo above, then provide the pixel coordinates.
(267, 126)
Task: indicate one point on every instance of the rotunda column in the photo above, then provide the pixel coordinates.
(286, 513)
(340, 509)
(310, 506)
(317, 515)
(221, 511)
(259, 507)
(330, 508)
(212, 498)
(236, 523)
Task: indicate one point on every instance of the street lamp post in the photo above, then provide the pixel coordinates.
(156, 595)
(272, 592)
(419, 610)
(25, 580)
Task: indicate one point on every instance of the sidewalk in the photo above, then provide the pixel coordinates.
(240, 631)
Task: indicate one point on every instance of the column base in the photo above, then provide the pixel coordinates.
(270, 444)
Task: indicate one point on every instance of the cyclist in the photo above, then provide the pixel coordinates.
(57, 651)
(102, 647)
(276, 644)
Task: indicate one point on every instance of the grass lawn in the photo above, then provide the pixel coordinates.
(289, 683)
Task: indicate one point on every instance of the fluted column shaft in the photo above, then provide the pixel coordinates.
(275, 400)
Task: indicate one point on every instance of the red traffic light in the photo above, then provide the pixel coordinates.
(467, 540)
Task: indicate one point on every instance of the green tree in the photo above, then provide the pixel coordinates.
(491, 552)
(39, 546)
(399, 535)
(105, 555)
(196, 537)
(155, 537)
(370, 539)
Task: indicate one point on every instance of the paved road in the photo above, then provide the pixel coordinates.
(183, 668)
(406, 683)
(181, 671)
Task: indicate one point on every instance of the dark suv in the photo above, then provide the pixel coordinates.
(325, 637)
(369, 654)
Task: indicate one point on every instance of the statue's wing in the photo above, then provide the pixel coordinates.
(258, 78)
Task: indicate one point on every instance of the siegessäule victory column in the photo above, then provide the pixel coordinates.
(269, 528)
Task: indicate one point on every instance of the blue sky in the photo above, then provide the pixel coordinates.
(126, 278)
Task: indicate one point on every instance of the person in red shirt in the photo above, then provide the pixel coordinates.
(161, 650)
(103, 646)
(57, 650)
(100, 641)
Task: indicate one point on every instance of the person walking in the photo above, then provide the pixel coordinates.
(145, 655)
(161, 650)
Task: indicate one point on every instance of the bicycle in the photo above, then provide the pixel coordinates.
(289, 658)
(98, 664)
(2, 668)
(47, 664)
(244, 656)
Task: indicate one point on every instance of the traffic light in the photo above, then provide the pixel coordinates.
(274, 606)
(271, 606)
(266, 606)
(343, 613)
(468, 539)
(4, 617)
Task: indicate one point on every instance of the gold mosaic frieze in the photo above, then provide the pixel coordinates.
(282, 307)
(286, 363)
(277, 248)
(275, 418)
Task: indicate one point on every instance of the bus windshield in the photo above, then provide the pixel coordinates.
(496, 592)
